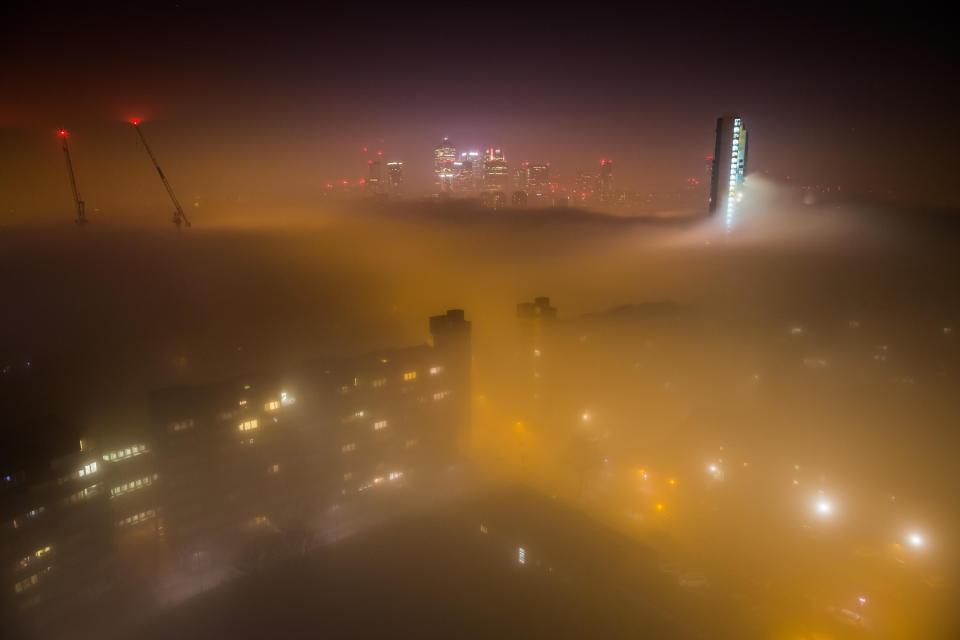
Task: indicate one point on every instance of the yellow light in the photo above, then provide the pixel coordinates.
(672, 482)
(659, 507)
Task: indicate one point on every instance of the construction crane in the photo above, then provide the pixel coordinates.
(81, 207)
(179, 217)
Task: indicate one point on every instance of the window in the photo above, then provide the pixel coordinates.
(133, 485)
(410, 444)
(87, 469)
(137, 518)
(83, 494)
(409, 375)
(26, 561)
(243, 403)
(347, 448)
(348, 476)
(379, 424)
(379, 382)
(182, 425)
(274, 468)
(135, 449)
(249, 425)
(440, 395)
(395, 475)
(435, 371)
(286, 398)
(273, 405)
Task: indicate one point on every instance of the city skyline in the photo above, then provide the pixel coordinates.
(643, 91)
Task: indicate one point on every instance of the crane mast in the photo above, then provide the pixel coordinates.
(179, 217)
(81, 206)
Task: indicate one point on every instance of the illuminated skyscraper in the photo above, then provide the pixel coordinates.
(444, 156)
(373, 184)
(394, 178)
(606, 181)
(729, 164)
(496, 173)
(585, 186)
(469, 171)
(538, 178)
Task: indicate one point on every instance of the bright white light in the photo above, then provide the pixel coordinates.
(522, 555)
(585, 416)
(915, 540)
(824, 507)
(715, 471)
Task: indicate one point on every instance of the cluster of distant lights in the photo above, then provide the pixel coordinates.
(823, 507)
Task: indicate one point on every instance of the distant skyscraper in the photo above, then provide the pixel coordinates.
(444, 156)
(496, 173)
(394, 178)
(373, 184)
(585, 186)
(606, 181)
(538, 179)
(729, 164)
(469, 171)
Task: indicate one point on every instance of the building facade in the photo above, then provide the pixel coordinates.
(228, 475)
(729, 165)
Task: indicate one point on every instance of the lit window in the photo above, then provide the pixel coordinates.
(522, 555)
(379, 382)
(348, 476)
(347, 448)
(83, 494)
(137, 518)
(286, 399)
(136, 449)
(395, 475)
(409, 444)
(273, 405)
(379, 424)
(435, 371)
(182, 425)
(87, 469)
(274, 468)
(249, 425)
(440, 395)
(243, 403)
(133, 485)
(409, 375)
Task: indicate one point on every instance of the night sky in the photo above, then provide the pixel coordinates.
(266, 104)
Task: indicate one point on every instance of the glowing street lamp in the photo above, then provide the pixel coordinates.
(916, 540)
(823, 507)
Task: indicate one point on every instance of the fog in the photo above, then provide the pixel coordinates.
(764, 406)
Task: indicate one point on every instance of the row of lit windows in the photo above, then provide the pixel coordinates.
(26, 561)
(122, 454)
(182, 425)
(393, 476)
(249, 425)
(133, 485)
(409, 375)
(347, 448)
(87, 469)
(83, 494)
(379, 425)
(137, 518)
(32, 581)
(440, 395)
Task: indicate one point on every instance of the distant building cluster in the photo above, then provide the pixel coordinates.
(486, 176)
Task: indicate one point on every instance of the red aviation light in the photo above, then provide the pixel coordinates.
(135, 122)
(62, 133)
